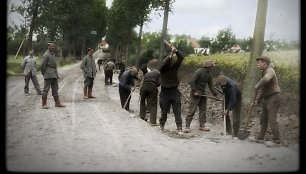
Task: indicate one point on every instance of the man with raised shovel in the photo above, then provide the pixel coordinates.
(198, 97)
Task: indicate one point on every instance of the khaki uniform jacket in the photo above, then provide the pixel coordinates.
(29, 65)
(48, 65)
(267, 85)
(89, 66)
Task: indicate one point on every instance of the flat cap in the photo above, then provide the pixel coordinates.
(264, 58)
(221, 80)
(208, 63)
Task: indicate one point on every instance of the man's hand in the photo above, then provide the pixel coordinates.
(254, 103)
(133, 89)
(225, 112)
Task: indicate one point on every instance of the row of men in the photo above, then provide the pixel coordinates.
(167, 77)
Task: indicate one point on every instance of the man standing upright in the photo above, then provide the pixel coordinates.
(198, 82)
(170, 94)
(267, 88)
(48, 67)
(89, 71)
(29, 67)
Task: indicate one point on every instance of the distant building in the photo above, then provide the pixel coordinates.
(196, 45)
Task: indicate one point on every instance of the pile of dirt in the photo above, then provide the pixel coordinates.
(288, 115)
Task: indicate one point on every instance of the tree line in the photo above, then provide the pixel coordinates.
(76, 25)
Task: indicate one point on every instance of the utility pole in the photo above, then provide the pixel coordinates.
(256, 51)
(162, 51)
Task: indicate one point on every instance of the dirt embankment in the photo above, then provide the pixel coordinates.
(287, 117)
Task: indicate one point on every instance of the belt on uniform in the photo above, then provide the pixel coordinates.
(54, 67)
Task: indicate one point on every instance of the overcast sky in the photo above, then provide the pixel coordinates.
(206, 17)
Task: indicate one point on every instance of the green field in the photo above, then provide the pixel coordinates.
(13, 66)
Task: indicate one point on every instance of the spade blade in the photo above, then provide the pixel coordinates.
(243, 134)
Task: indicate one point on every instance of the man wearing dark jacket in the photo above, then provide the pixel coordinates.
(149, 91)
(170, 94)
(233, 101)
(126, 86)
(198, 82)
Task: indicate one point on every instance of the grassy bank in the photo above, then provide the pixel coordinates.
(13, 66)
(234, 65)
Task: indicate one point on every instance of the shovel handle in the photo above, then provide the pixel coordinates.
(127, 100)
(248, 118)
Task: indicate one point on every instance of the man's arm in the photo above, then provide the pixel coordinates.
(265, 79)
(192, 81)
(24, 63)
(43, 64)
(211, 86)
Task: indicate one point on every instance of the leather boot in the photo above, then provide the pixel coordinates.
(85, 93)
(44, 103)
(57, 102)
(89, 93)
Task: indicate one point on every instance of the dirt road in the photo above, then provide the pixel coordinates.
(98, 135)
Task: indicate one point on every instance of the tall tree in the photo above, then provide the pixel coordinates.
(256, 51)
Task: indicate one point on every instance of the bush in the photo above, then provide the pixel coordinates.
(235, 66)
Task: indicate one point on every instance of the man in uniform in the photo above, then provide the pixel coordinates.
(198, 82)
(126, 86)
(89, 71)
(170, 94)
(108, 72)
(268, 90)
(148, 91)
(48, 67)
(29, 66)
(233, 101)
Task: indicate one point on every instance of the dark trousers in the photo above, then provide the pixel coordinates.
(148, 92)
(270, 107)
(168, 97)
(236, 117)
(124, 94)
(50, 83)
(108, 75)
(35, 83)
(88, 82)
(197, 101)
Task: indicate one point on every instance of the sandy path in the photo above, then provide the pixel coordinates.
(98, 135)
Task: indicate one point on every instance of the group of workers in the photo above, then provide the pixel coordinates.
(166, 77)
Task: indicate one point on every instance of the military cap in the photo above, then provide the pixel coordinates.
(264, 58)
(208, 63)
(51, 43)
(221, 80)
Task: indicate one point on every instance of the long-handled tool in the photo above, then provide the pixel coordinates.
(224, 118)
(243, 134)
(127, 100)
(210, 97)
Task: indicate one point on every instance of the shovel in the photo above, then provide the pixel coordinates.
(127, 100)
(243, 134)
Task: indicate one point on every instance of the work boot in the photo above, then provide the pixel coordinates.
(57, 102)
(204, 129)
(44, 103)
(85, 93)
(161, 127)
(187, 130)
(89, 93)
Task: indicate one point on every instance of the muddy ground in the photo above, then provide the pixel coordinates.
(97, 135)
